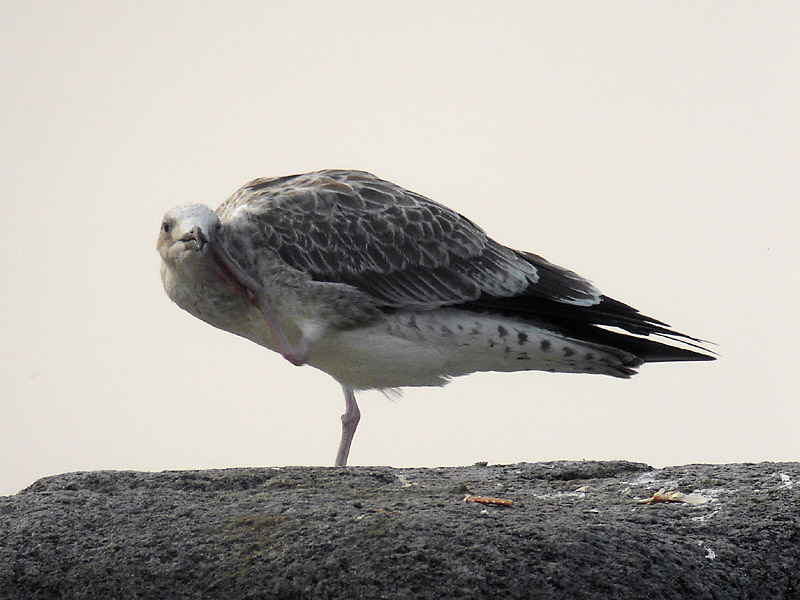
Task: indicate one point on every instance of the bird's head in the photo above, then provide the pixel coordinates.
(186, 233)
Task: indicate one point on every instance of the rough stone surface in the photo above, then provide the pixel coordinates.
(575, 531)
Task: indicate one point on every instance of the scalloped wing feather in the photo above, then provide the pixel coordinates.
(401, 248)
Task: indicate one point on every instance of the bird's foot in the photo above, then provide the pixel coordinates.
(238, 281)
(298, 359)
(350, 420)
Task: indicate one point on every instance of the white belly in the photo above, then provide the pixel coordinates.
(411, 348)
(428, 348)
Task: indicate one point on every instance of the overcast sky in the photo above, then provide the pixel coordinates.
(651, 147)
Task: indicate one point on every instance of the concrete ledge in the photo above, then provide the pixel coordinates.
(575, 531)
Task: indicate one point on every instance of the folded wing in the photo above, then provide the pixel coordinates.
(407, 251)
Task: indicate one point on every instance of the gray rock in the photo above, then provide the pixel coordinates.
(575, 530)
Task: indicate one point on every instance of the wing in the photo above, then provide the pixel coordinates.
(399, 247)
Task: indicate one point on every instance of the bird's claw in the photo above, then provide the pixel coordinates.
(296, 358)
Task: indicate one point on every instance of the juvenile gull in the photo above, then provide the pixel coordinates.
(381, 287)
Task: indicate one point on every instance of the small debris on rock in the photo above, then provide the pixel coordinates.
(486, 500)
(663, 495)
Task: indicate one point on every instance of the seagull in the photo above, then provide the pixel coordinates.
(382, 288)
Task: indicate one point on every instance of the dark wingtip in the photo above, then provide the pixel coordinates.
(679, 354)
(652, 351)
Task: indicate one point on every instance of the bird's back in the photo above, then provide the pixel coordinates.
(406, 252)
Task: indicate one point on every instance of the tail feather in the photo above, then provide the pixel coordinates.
(646, 350)
(592, 323)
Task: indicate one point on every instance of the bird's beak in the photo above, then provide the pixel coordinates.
(197, 238)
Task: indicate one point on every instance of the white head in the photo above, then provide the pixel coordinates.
(186, 231)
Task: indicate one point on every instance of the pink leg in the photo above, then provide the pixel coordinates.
(350, 420)
(240, 282)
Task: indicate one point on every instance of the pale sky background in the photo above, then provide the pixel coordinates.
(653, 147)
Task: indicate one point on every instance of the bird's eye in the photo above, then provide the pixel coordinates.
(165, 227)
